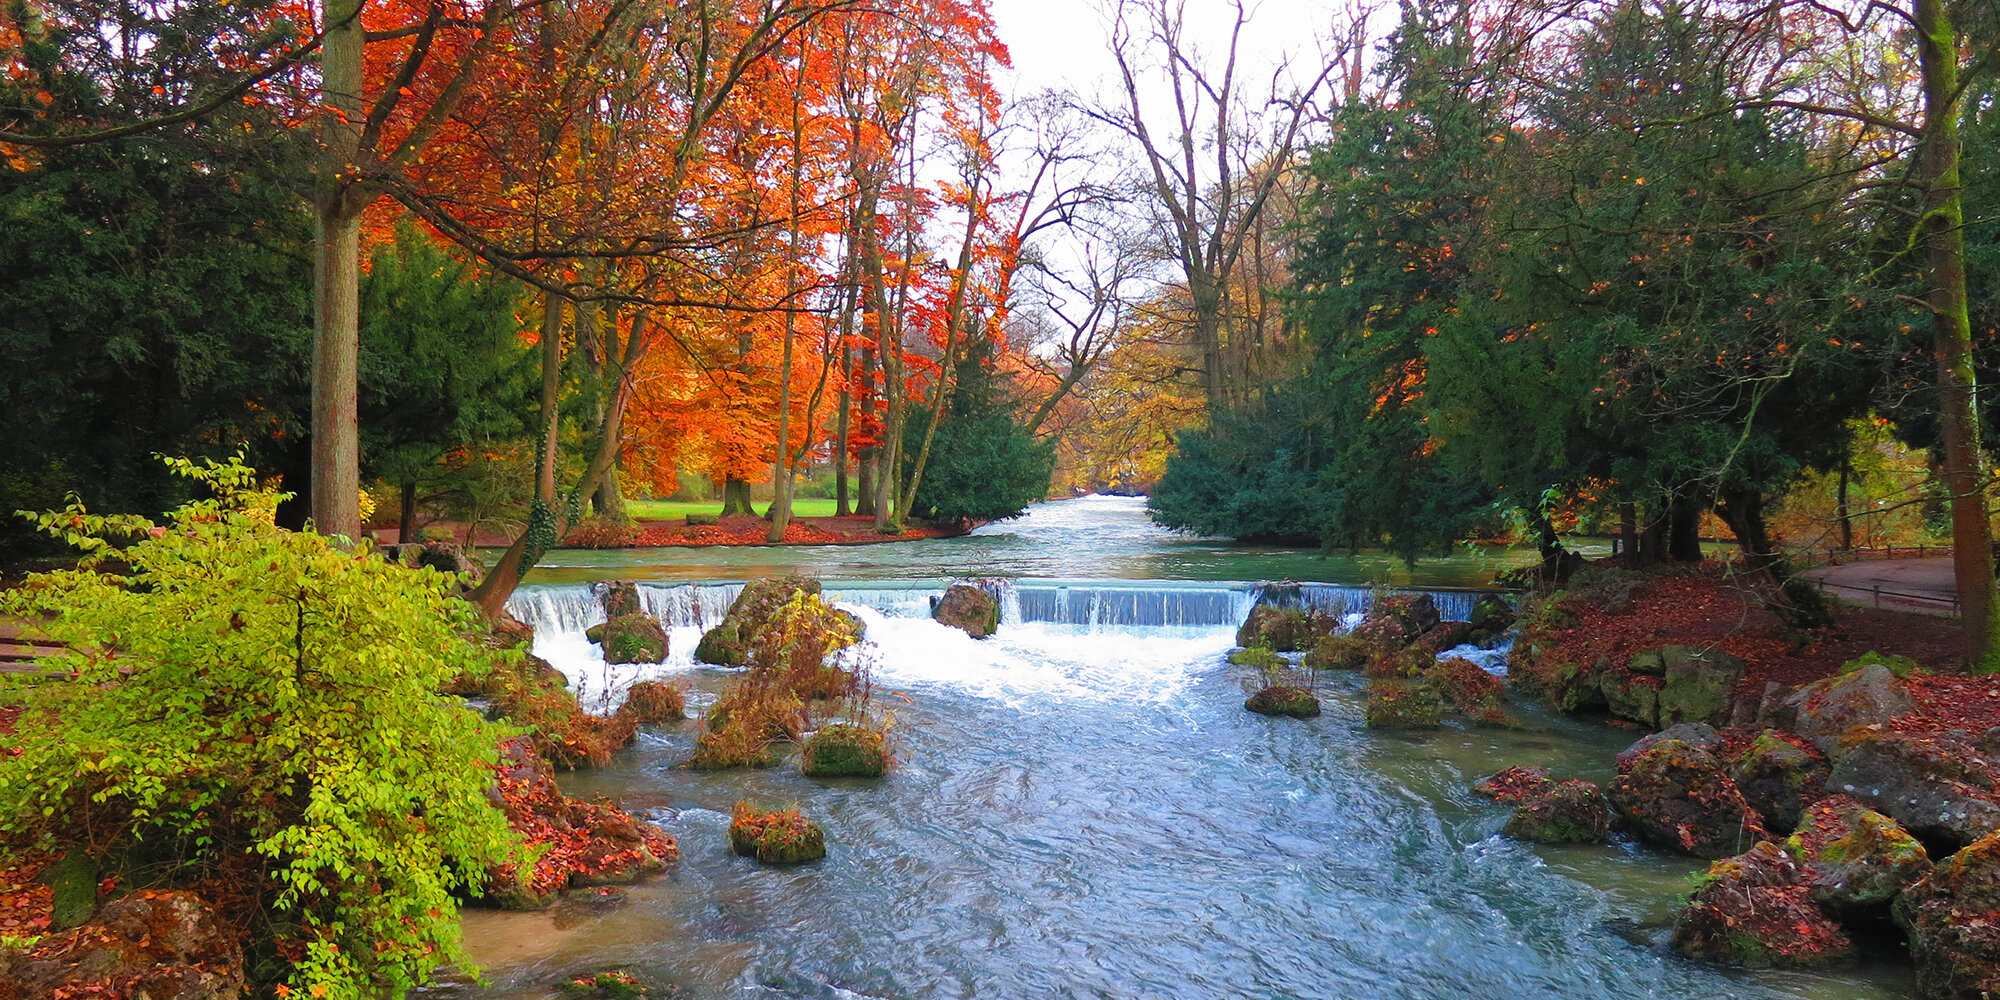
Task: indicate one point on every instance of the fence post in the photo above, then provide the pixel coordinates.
(1878, 595)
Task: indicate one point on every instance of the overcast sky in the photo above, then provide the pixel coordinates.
(1063, 43)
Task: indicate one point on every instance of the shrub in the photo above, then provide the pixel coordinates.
(262, 701)
(653, 702)
(600, 532)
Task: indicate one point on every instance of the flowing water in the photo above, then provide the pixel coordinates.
(1082, 808)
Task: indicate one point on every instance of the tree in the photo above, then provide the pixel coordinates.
(1211, 168)
(441, 362)
(153, 305)
(984, 466)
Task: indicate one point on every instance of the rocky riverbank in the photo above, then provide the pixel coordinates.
(1844, 781)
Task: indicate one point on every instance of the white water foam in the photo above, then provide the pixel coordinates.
(1023, 665)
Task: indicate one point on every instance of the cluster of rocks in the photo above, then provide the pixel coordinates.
(1656, 688)
(1822, 817)
(1396, 646)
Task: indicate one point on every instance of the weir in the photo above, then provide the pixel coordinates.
(1087, 605)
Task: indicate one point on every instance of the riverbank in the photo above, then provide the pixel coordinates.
(735, 530)
(1843, 780)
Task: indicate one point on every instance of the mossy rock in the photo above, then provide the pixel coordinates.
(723, 646)
(1259, 658)
(1861, 860)
(703, 520)
(1338, 652)
(845, 751)
(775, 838)
(633, 638)
(1779, 778)
(1756, 910)
(1282, 630)
(1492, 614)
(1561, 812)
(1900, 667)
(1278, 699)
(969, 609)
(614, 985)
(1396, 704)
(74, 880)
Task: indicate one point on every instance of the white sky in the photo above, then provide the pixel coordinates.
(1064, 43)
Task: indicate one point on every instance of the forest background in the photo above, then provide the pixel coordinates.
(1444, 271)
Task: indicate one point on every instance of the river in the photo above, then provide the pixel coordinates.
(1082, 808)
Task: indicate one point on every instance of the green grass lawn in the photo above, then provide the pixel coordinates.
(664, 510)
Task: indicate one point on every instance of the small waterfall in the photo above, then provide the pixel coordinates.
(558, 609)
(690, 605)
(912, 601)
(1108, 607)
(1340, 601)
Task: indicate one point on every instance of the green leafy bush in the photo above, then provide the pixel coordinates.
(264, 707)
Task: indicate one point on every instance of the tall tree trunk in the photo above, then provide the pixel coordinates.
(1963, 471)
(1846, 516)
(337, 205)
(1628, 534)
(551, 344)
(406, 526)
(1684, 529)
(842, 504)
(736, 498)
(506, 574)
(1743, 511)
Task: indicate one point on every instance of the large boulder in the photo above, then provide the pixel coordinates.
(621, 597)
(1402, 704)
(1699, 735)
(1860, 859)
(728, 643)
(1827, 709)
(1279, 699)
(968, 609)
(635, 638)
(1756, 910)
(1399, 619)
(1338, 652)
(1279, 629)
(1492, 614)
(1941, 791)
(1561, 812)
(1634, 697)
(1679, 796)
(152, 945)
(1779, 775)
(1470, 690)
(1952, 917)
(1565, 684)
(1697, 684)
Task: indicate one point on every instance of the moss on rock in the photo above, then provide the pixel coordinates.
(1561, 812)
(841, 751)
(1398, 704)
(1278, 699)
